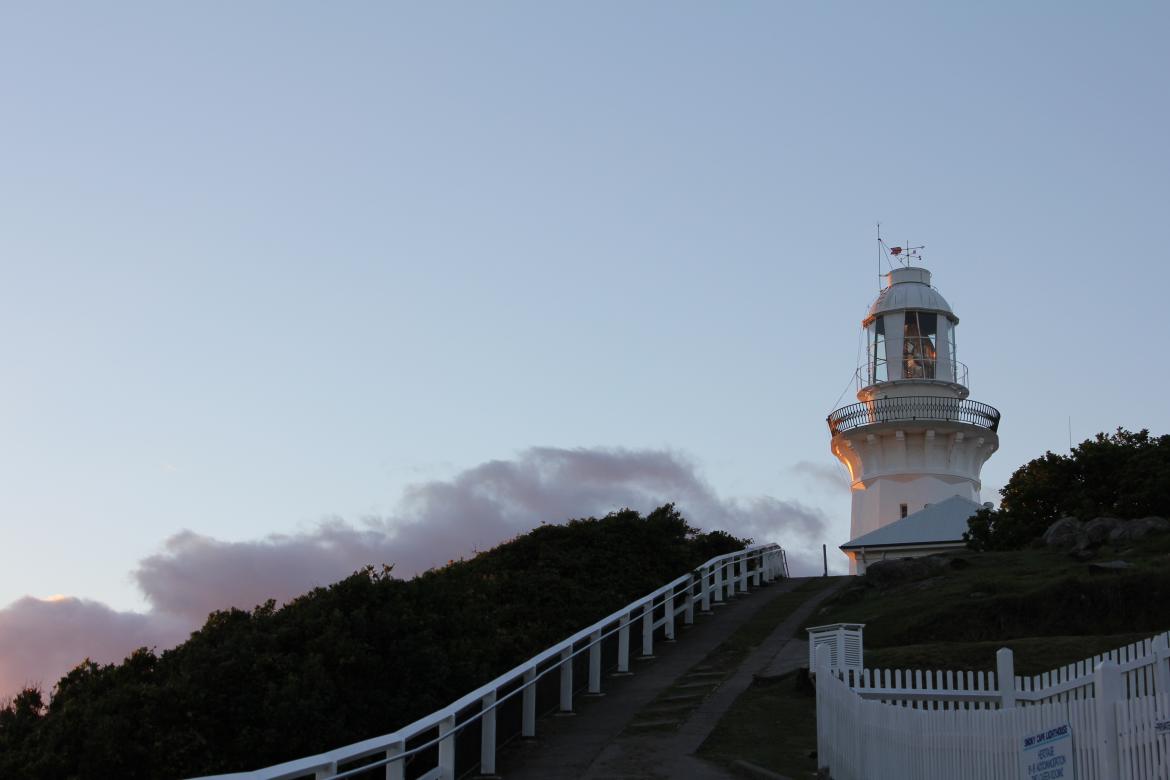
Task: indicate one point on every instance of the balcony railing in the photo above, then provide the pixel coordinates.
(913, 407)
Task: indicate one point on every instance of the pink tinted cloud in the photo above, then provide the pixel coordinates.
(193, 575)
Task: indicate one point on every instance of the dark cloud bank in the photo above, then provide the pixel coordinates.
(437, 521)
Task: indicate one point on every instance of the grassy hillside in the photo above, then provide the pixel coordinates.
(1048, 607)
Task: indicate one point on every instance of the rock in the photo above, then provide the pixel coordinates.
(1065, 534)
(1109, 566)
(1098, 529)
(1133, 530)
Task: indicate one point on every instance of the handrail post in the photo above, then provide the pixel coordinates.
(757, 572)
(689, 614)
(396, 770)
(567, 679)
(669, 606)
(623, 665)
(487, 736)
(743, 573)
(447, 748)
(648, 630)
(329, 770)
(1005, 673)
(595, 663)
(706, 581)
(719, 582)
(528, 718)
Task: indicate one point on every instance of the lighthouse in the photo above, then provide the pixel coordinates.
(914, 439)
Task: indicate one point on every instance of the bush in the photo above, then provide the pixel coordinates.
(1124, 474)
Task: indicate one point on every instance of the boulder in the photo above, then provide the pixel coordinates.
(1066, 533)
(1098, 529)
(1133, 530)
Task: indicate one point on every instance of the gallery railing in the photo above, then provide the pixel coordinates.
(914, 407)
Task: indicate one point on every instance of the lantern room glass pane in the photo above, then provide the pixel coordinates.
(877, 351)
(951, 352)
(919, 350)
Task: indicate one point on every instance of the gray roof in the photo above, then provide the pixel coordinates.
(945, 521)
(909, 288)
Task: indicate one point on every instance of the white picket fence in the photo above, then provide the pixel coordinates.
(913, 724)
(433, 737)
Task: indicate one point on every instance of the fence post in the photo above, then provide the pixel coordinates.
(1161, 651)
(758, 572)
(1005, 676)
(395, 770)
(719, 582)
(487, 736)
(329, 770)
(742, 585)
(648, 629)
(447, 748)
(1108, 689)
(595, 663)
(822, 664)
(567, 679)
(528, 719)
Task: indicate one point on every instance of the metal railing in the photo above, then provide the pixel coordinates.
(914, 407)
(435, 735)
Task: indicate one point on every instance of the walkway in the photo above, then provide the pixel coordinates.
(629, 733)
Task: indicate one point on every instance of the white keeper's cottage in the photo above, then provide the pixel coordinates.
(914, 439)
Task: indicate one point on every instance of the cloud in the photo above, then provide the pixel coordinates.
(40, 640)
(831, 478)
(436, 521)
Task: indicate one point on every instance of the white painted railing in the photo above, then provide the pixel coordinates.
(435, 735)
(967, 725)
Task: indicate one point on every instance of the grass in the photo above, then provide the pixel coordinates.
(772, 725)
(669, 712)
(1050, 609)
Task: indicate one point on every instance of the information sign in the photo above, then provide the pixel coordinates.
(1047, 754)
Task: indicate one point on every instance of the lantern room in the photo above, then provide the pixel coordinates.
(910, 337)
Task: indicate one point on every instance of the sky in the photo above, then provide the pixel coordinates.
(290, 288)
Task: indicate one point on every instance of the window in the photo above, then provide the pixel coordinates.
(951, 351)
(904, 507)
(877, 351)
(919, 353)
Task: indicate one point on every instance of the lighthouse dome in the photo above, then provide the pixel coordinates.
(908, 288)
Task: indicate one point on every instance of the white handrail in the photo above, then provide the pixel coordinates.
(716, 578)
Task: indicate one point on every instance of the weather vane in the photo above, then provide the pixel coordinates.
(907, 253)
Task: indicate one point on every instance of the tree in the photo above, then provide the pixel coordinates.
(1123, 474)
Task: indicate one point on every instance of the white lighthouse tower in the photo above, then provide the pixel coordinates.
(914, 438)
